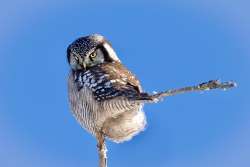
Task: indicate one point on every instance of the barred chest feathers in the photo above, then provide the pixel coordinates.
(101, 103)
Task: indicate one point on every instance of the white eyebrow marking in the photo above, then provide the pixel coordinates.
(111, 52)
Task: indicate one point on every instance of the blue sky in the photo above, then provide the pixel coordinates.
(167, 44)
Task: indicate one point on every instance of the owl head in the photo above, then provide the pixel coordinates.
(86, 52)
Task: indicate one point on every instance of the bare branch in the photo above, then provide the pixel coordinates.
(102, 151)
(213, 84)
(144, 97)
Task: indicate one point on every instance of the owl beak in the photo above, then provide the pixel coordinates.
(82, 64)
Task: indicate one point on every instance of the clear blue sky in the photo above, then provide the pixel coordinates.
(166, 44)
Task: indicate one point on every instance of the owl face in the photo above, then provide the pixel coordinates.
(89, 51)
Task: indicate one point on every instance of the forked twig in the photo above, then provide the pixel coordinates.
(213, 84)
(144, 97)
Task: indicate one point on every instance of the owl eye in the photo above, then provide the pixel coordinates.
(92, 56)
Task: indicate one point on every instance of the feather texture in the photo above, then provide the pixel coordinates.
(100, 99)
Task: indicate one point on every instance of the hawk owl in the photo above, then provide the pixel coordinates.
(105, 97)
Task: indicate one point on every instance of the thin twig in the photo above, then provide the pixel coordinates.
(102, 151)
(213, 84)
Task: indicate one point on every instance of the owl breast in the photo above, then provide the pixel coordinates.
(100, 108)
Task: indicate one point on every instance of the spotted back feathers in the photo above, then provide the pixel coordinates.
(109, 80)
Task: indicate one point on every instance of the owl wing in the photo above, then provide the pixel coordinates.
(118, 82)
(110, 80)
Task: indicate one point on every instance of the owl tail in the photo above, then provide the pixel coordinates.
(212, 84)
